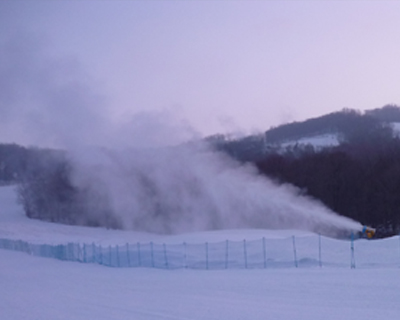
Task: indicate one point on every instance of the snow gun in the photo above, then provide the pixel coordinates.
(367, 232)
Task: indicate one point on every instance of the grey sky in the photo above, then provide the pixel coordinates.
(218, 66)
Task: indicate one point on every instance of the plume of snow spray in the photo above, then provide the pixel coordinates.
(194, 188)
(165, 190)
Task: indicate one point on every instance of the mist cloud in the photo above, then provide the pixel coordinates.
(192, 188)
(46, 100)
(51, 101)
(152, 129)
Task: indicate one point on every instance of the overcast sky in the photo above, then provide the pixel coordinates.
(197, 67)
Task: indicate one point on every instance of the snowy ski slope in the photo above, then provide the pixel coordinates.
(38, 288)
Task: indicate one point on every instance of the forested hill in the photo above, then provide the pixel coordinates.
(346, 126)
(359, 177)
(347, 123)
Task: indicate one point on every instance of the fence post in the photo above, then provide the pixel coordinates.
(79, 252)
(207, 255)
(319, 251)
(152, 254)
(66, 251)
(184, 256)
(54, 251)
(353, 261)
(26, 247)
(62, 252)
(294, 251)
(139, 257)
(23, 246)
(75, 250)
(128, 256)
(118, 260)
(93, 252)
(226, 254)
(103, 260)
(264, 253)
(165, 256)
(245, 253)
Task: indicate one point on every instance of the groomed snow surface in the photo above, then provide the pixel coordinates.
(41, 288)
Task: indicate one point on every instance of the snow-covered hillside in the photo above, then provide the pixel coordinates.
(47, 289)
(320, 141)
(317, 141)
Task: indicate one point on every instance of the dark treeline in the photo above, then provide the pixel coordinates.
(351, 182)
(45, 189)
(47, 192)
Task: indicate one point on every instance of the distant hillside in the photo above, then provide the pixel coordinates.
(350, 126)
(349, 160)
(347, 123)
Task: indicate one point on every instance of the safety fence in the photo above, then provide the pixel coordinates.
(299, 252)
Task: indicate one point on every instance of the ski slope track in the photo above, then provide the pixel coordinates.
(47, 289)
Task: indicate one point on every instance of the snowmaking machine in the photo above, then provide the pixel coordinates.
(367, 233)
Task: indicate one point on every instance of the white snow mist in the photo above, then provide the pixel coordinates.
(194, 188)
(53, 102)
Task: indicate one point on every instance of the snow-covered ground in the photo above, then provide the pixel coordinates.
(36, 288)
(39, 288)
